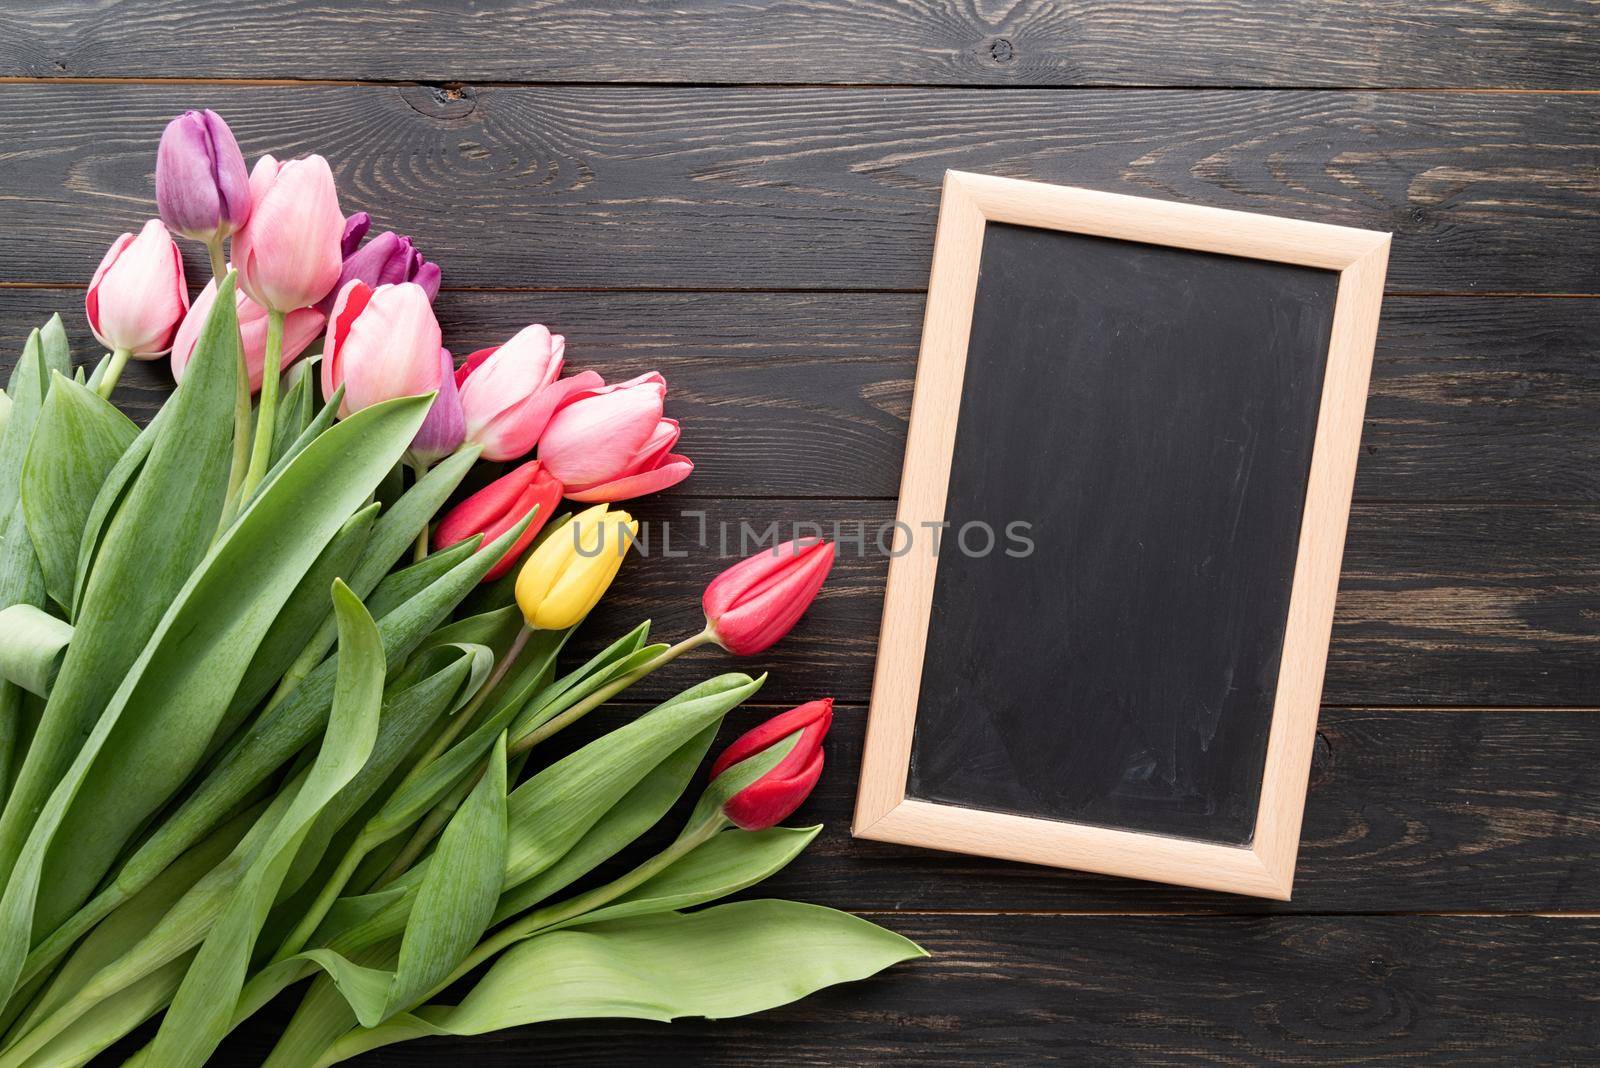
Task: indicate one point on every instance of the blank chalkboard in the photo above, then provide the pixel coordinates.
(1149, 414)
(1128, 475)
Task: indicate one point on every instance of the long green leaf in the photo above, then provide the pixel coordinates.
(32, 642)
(716, 963)
(79, 438)
(148, 549)
(203, 1006)
(30, 379)
(155, 731)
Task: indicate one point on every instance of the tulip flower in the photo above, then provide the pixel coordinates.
(300, 328)
(498, 507)
(137, 298)
(509, 392)
(443, 431)
(610, 443)
(382, 343)
(288, 252)
(570, 571)
(782, 788)
(202, 185)
(385, 260)
(756, 601)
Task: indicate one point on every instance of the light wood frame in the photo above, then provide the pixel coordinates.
(1265, 867)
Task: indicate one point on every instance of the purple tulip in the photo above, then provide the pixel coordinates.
(202, 185)
(355, 228)
(387, 259)
(445, 428)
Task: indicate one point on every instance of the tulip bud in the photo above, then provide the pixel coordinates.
(138, 296)
(509, 392)
(444, 429)
(202, 186)
(779, 791)
(355, 228)
(287, 253)
(610, 443)
(498, 507)
(756, 601)
(567, 574)
(385, 260)
(300, 328)
(382, 343)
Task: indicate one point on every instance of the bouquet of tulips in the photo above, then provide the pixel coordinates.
(268, 719)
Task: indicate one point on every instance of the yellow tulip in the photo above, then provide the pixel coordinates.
(569, 572)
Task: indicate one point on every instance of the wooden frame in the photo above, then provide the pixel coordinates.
(1264, 868)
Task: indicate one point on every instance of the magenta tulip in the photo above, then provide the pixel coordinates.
(610, 443)
(776, 794)
(300, 328)
(288, 253)
(202, 186)
(382, 343)
(758, 600)
(385, 260)
(509, 392)
(445, 428)
(138, 296)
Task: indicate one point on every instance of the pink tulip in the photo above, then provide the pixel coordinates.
(610, 443)
(288, 253)
(300, 329)
(138, 296)
(509, 392)
(756, 601)
(382, 343)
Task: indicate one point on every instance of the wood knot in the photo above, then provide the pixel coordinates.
(1001, 51)
(448, 102)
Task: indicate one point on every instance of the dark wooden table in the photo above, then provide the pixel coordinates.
(742, 194)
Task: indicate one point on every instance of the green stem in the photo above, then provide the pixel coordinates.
(119, 360)
(267, 410)
(325, 898)
(606, 693)
(219, 262)
(419, 551)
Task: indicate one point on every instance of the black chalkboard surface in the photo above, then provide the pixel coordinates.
(1128, 472)
(1149, 413)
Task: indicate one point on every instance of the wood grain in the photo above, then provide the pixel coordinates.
(827, 188)
(1438, 604)
(807, 394)
(1380, 990)
(1407, 811)
(1032, 42)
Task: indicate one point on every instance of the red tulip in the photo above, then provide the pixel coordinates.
(509, 391)
(781, 790)
(610, 443)
(138, 296)
(498, 507)
(756, 601)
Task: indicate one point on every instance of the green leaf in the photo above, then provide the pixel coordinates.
(398, 587)
(616, 659)
(79, 438)
(146, 553)
(273, 740)
(203, 1007)
(30, 379)
(156, 730)
(296, 404)
(716, 963)
(108, 500)
(31, 645)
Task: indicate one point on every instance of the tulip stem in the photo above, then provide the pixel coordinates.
(267, 409)
(419, 551)
(108, 381)
(607, 692)
(219, 263)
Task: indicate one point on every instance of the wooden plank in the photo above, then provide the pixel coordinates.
(806, 395)
(1381, 990)
(1167, 42)
(1439, 604)
(1407, 811)
(827, 188)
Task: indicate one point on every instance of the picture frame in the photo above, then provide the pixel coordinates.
(1265, 866)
